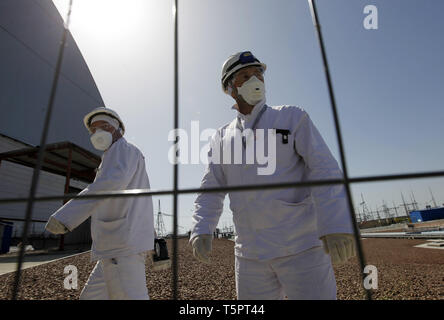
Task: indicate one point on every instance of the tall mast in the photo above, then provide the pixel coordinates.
(433, 198)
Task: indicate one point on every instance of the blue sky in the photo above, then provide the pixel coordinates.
(388, 82)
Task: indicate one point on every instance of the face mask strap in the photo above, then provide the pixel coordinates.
(230, 87)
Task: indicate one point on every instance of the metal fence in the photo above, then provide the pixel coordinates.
(346, 181)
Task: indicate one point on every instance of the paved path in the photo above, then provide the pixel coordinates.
(8, 263)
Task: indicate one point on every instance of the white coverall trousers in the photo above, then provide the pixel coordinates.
(306, 275)
(121, 278)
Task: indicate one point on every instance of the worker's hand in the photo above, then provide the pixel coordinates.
(202, 247)
(56, 227)
(340, 246)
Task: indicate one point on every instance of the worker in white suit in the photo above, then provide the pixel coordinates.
(122, 228)
(286, 239)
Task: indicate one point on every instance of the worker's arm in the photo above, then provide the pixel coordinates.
(208, 206)
(330, 200)
(118, 167)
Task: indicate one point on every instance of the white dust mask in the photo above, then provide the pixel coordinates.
(252, 90)
(101, 139)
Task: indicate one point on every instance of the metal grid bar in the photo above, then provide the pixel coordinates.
(361, 257)
(175, 191)
(36, 173)
(151, 192)
(176, 150)
(18, 219)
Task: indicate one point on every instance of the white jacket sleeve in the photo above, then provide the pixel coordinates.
(208, 206)
(118, 166)
(330, 201)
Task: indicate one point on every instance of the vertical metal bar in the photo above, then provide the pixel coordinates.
(36, 173)
(361, 258)
(68, 173)
(176, 167)
(67, 180)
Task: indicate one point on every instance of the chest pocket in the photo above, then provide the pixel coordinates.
(284, 133)
(284, 146)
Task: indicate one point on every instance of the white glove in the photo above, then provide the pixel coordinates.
(340, 246)
(56, 227)
(202, 247)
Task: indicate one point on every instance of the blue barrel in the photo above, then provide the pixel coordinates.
(6, 236)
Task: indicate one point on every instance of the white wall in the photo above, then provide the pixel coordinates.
(15, 181)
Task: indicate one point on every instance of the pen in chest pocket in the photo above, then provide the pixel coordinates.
(284, 133)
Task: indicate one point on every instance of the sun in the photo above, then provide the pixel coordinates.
(106, 18)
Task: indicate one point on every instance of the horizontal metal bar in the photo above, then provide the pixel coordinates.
(151, 192)
(17, 219)
(404, 235)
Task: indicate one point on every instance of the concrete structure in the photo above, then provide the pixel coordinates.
(30, 35)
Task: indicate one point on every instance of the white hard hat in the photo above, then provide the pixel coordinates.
(105, 111)
(236, 62)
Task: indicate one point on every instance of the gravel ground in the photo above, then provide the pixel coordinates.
(404, 272)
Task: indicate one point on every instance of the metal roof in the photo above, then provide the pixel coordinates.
(56, 160)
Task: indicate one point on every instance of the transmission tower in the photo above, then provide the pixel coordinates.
(412, 197)
(406, 205)
(433, 198)
(160, 226)
(377, 213)
(386, 210)
(365, 212)
(358, 210)
(396, 209)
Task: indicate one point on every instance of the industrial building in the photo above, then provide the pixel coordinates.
(30, 36)
(427, 215)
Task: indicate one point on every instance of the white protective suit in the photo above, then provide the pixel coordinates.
(276, 223)
(120, 227)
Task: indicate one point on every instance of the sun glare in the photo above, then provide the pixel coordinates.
(109, 18)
